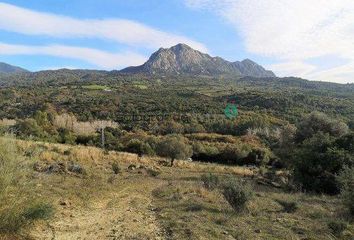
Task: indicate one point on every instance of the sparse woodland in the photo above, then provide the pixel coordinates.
(291, 146)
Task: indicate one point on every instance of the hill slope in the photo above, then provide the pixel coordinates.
(183, 60)
(7, 68)
(104, 205)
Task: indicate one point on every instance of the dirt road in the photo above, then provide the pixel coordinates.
(127, 213)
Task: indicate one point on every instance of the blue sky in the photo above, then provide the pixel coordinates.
(308, 38)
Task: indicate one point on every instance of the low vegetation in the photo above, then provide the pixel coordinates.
(20, 203)
(346, 180)
(230, 204)
(237, 193)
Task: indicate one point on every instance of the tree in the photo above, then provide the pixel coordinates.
(171, 127)
(29, 127)
(65, 136)
(174, 147)
(139, 147)
(346, 180)
(320, 122)
(318, 160)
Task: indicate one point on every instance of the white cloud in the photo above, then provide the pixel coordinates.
(292, 69)
(20, 20)
(99, 58)
(341, 74)
(291, 31)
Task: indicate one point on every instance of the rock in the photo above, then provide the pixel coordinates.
(275, 184)
(164, 163)
(283, 180)
(59, 167)
(64, 203)
(182, 59)
(131, 167)
(40, 167)
(76, 168)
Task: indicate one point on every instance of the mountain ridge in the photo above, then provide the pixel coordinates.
(7, 68)
(184, 60)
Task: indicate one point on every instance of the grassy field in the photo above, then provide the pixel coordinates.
(96, 87)
(111, 195)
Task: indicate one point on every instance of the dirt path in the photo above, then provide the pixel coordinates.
(125, 214)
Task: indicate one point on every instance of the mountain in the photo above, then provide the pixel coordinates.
(7, 68)
(183, 60)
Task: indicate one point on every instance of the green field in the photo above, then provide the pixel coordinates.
(96, 87)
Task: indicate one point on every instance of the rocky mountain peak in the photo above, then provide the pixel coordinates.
(182, 59)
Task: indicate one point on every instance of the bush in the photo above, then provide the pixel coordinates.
(139, 147)
(317, 162)
(11, 219)
(115, 167)
(337, 227)
(210, 181)
(67, 152)
(76, 168)
(29, 127)
(289, 207)
(38, 211)
(237, 193)
(346, 181)
(320, 122)
(152, 172)
(65, 136)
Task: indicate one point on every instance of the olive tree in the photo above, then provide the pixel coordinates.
(174, 147)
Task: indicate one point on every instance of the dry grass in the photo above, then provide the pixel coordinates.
(7, 122)
(20, 203)
(183, 208)
(96, 156)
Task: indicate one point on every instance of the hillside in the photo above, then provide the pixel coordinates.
(7, 68)
(183, 60)
(100, 204)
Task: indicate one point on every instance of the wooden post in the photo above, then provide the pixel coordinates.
(102, 137)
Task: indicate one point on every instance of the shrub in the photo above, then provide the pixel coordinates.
(76, 168)
(139, 147)
(19, 215)
(29, 127)
(38, 211)
(115, 167)
(174, 147)
(346, 181)
(67, 152)
(320, 122)
(194, 207)
(66, 136)
(237, 193)
(337, 227)
(317, 162)
(210, 181)
(171, 127)
(288, 206)
(152, 172)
